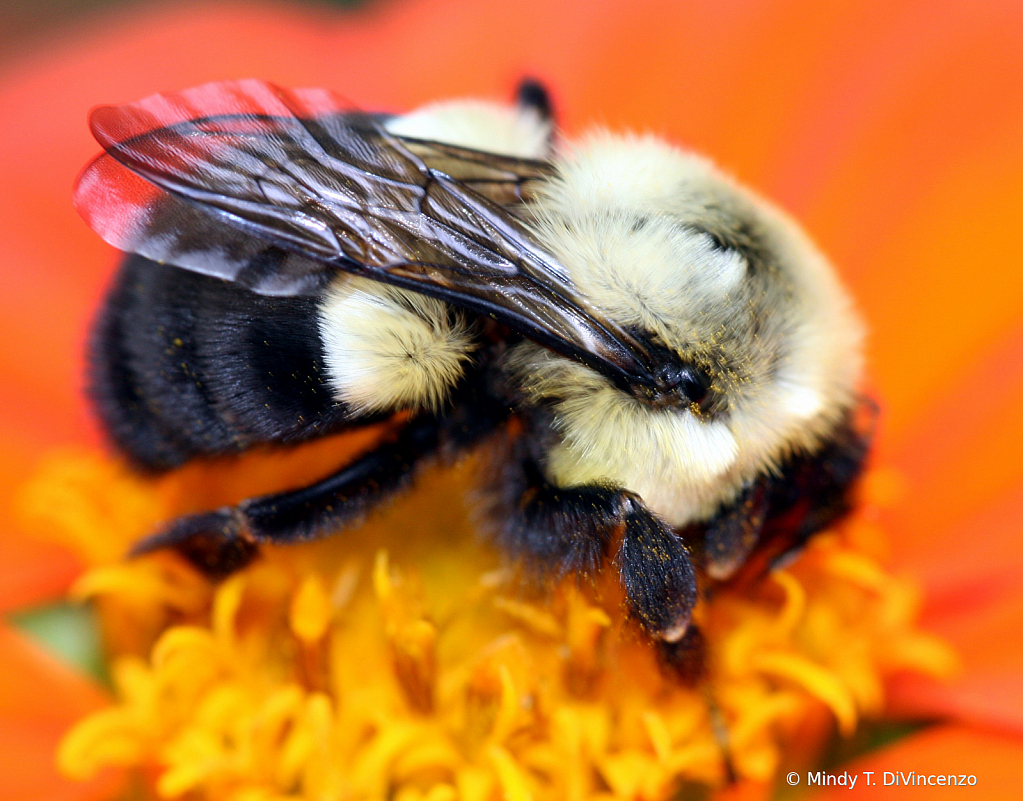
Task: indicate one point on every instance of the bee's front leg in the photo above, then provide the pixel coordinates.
(656, 571)
(573, 530)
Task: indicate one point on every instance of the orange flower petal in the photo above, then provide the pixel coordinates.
(31, 571)
(992, 758)
(989, 689)
(963, 457)
(39, 700)
(959, 533)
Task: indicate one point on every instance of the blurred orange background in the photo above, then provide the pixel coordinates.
(892, 130)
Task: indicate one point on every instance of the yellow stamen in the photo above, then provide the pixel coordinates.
(310, 610)
(399, 661)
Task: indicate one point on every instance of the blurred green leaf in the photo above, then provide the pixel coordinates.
(69, 631)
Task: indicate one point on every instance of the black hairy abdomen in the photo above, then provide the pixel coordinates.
(184, 365)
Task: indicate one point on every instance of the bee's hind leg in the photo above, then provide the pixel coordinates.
(573, 530)
(217, 543)
(225, 540)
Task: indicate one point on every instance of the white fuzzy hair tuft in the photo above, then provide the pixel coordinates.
(682, 467)
(388, 349)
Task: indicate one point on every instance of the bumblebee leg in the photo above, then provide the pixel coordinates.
(574, 529)
(658, 577)
(731, 536)
(220, 542)
(686, 659)
(217, 543)
(561, 531)
(825, 480)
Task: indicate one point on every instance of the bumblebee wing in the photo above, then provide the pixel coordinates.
(277, 189)
(135, 216)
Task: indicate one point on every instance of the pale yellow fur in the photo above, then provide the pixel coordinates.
(492, 127)
(386, 348)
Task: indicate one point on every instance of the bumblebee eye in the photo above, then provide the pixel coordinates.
(687, 380)
(694, 383)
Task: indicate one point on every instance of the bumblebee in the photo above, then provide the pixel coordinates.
(662, 365)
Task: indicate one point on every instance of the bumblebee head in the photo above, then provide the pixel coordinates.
(754, 343)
